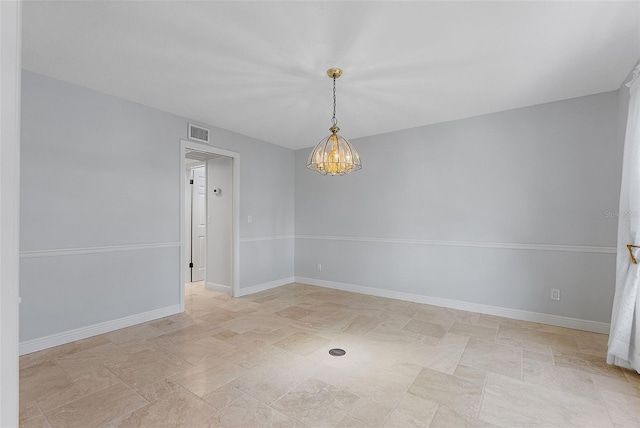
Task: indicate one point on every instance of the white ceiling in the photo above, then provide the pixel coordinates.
(258, 68)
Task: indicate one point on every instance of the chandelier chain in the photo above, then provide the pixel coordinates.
(334, 121)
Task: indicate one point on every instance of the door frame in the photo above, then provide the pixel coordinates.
(235, 214)
(10, 55)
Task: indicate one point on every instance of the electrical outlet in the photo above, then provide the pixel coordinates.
(319, 267)
(555, 294)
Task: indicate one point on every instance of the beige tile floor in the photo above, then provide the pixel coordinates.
(262, 360)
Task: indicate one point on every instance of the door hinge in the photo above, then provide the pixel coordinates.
(190, 181)
(190, 265)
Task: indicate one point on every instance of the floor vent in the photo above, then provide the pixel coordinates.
(198, 133)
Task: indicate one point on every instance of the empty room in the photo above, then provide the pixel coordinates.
(320, 214)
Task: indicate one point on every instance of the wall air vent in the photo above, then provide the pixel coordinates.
(198, 133)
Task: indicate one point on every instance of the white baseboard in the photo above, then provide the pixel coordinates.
(39, 344)
(57, 339)
(265, 286)
(267, 238)
(560, 321)
(218, 287)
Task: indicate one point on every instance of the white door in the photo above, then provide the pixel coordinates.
(199, 224)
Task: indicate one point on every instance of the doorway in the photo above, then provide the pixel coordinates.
(209, 187)
(197, 218)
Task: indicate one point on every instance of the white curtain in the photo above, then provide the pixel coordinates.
(624, 337)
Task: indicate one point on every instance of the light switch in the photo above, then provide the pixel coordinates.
(249, 219)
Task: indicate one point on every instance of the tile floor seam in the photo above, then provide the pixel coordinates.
(117, 377)
(486, 375)
(521, 364)
(434, 414)
(399, 401)
(215, 410)
(405, 324)
(292, 418)
(176, 356)
(348, 416)
(193, 392)
(484, 386)
(63, 404)
(185, 389)
(147, 403)
(440, 340)
(602, 400)
(230, 403)
(256, 398)
(44, 414)
(462, 353)
(291, 389)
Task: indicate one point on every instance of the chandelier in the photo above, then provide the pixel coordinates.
(334, 155)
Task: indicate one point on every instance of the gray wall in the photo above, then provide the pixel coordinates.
(543, 175)
(421, 217)
(98, 171)
(220, 228)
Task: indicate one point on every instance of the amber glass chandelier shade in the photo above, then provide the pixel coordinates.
(334, 155)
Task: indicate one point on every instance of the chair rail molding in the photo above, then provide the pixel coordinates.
(472, 244)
